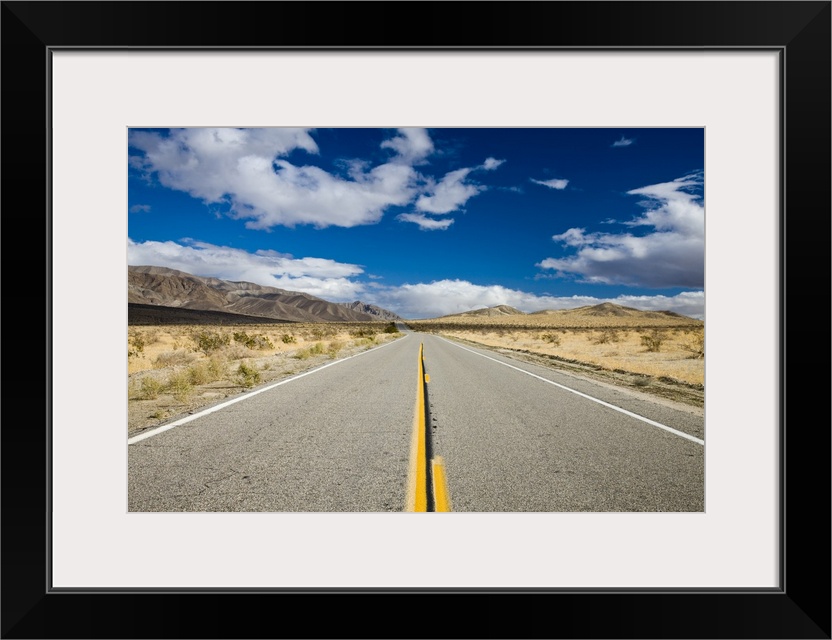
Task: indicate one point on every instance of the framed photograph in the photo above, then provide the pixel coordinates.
(90, 85)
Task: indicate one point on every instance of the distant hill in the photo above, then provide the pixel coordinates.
(608, 309)
(605, 314)
(163, 287)
(499, 310)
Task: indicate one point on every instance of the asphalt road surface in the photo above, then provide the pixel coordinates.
(507, 436)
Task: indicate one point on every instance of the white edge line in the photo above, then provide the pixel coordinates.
(246, 396)
(681, 434)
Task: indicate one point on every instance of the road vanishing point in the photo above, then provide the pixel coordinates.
(424, 424)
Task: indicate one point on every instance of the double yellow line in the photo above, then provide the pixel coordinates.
(417, 490)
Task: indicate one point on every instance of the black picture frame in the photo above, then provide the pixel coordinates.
(799, 608)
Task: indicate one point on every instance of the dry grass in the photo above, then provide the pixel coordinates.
(175, 369)
(680, 354)
(162, 347)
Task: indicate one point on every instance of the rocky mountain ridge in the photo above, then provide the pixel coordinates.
(164, 287)
(373, 310)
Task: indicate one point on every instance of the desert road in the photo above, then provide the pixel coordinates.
(425, 424)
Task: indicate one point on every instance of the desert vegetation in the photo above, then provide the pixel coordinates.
(670, 353)
(174, 369)
(664, 356)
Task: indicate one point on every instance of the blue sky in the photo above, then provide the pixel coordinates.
(428, 222)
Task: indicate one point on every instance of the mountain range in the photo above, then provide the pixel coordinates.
(159, 295)
(165, 294)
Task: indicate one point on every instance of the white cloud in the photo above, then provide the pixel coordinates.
(688, 303)
(289, 195)
(444, 297)
(671, 255)
(449, 194)
(623, 142)
(555, 183)
(574, 237)
(320, 277)
(453, 191)
(140, 208)
(246, 169)
(412, 145)
(204, 162)
(491, 163)
(425, 223)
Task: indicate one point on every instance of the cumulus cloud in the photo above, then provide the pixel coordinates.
(425, 223)
(320, 277)
(555, 183)
(444, 297)
(412, 145)
(623, 142)
(454, 189)
(140, 208)
(448, 194)
(247, 169)
(670, 254)
(249, 172)
(204, 162)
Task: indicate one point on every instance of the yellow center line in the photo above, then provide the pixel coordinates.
(441, 497)
(417, 493)
(417, 482)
